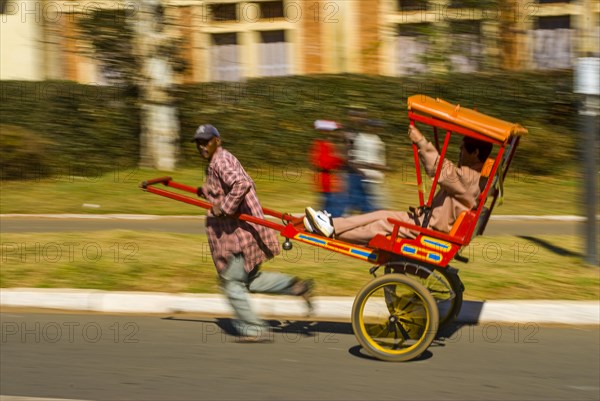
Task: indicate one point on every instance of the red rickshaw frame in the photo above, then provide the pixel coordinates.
(433, 247)
(432, 250)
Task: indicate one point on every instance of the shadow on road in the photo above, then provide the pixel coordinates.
(305, 328)
(469, 315)
(551, 247)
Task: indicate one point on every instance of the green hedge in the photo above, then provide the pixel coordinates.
(76, 127)
(269, 121)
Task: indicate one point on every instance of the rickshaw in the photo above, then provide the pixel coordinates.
(396, 316)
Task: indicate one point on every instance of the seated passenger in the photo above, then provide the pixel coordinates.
(459, 190)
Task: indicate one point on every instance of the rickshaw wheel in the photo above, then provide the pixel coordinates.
(442, 283)
(394, 318)
(450, 307)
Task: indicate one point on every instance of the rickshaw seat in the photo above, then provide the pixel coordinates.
(487, 168)
(458, 233)
(458, 222)
(467, 217)
(461, 227)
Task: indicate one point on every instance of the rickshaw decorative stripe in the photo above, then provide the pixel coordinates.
(312, 239)
(434, 256)
(334, 246)
(368, 255)
(408, 249)
(421, 253)
(338, 246)
(436, 243)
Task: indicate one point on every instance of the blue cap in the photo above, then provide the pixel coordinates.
(205, 132)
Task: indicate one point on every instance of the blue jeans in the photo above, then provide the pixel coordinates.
(358, 198)
(237, 283)
(333, 202)
(376, 194)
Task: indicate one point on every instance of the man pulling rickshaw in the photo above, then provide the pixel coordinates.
(396, 315)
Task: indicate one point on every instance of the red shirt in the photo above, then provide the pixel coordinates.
(325, 159)
(228, 183)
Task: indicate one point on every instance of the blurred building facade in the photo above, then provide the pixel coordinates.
(232, 40)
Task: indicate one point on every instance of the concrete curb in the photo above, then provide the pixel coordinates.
(529, 311)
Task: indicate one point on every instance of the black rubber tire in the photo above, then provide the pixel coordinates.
(450, 315)
(403, 305)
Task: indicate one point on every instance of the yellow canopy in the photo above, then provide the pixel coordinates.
(468, 118)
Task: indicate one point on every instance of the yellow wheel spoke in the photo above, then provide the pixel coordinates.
(394, 318)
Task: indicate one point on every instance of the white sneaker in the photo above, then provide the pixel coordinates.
(308, 226)
(320, 222)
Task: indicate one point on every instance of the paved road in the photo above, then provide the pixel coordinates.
(196, 226)
(104, 357)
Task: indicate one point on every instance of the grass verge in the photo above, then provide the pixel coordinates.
(284, 189)
(504, 267)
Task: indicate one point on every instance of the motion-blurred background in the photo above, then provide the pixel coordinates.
(97, 96)
(94, 84)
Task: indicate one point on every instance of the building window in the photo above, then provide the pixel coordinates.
(554, 22)
(225, 62)
(481, 4)
(466, 46)
(273, 54)
(552, 43)
(412, 5)
(3, 6)
(411, 47)
(223, 12)
(271, 9)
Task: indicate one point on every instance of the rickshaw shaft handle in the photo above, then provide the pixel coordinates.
(153, 181)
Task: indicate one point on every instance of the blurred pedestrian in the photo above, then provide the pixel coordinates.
(239, 247)
(357, 199)
(368, 157)
(327, 160)
(458, 192)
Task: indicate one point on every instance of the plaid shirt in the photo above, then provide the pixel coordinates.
(228, 184)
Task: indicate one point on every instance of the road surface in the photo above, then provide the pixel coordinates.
(187, 357)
